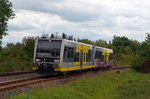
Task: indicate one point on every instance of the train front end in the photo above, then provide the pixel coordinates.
(46, 55)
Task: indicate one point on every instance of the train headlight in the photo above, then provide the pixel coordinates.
(37, 60)
(56, 60)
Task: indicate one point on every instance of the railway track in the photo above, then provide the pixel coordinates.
(16, 73)
(119, 67)
(12, 84)
(8, 77)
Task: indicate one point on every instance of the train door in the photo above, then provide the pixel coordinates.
(104, 57)
(81, 59)
(105, 60)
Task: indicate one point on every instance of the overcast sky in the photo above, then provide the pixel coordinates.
(92, 19)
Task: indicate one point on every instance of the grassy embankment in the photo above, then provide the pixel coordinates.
(125, 85)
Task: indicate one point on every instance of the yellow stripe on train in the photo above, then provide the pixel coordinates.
(73, 68)
(89, 66)
(34, 68)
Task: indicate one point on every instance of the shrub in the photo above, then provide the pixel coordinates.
(136, 63)
(145, 67)
(118, 71)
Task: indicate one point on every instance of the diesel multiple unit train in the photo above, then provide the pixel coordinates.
(63, 55)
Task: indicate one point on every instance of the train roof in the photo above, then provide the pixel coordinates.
(111, 51)
(77, 42)
(65, 40)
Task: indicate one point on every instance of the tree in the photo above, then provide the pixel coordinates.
(75, 39)
(29, 47)
(56, 35)
(10, 46)
(70, 37)
(6, 13)
(0, 48)
(120, 41)
(78, 39)
(135, 46)
(86, 41)
(52, 36)
(147, 40)
(64, 36)
(101, 43)
(44, 35)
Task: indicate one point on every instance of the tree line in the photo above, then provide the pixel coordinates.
(19, 56)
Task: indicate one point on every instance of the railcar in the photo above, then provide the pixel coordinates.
(103, 57)
(61, 55)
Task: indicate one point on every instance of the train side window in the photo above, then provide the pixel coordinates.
(98, 55)
(110, 56)
(89, 56)
(68, 54)
(76, 58)
(84, 57)
(103, 58)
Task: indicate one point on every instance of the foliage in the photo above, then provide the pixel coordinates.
(64, 36)
(52, 35)
(56, 35)
(70, 37)
(135, 64)
(29, 47)
(142, 55)
(126, 51)
(118, 71)
(86, 41)
(145, 67)
(147, 40)
(101, 43)
(126, 85)
(44, 35)
(6, 13)
(120, 41)
(17, 57)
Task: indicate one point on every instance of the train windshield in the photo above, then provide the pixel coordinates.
(48, 50)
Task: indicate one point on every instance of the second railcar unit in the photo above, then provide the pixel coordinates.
(103, 57)
(64, 55)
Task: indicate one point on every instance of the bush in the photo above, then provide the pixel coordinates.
(136, 63)
(145, 67)
(118, 71)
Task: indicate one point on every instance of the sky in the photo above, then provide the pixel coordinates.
(92, 19)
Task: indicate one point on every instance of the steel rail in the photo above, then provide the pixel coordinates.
(36, 80)
(16, 73)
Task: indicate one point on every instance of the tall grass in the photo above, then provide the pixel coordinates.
(125, 85)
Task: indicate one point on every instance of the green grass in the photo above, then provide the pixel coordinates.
(125, 85)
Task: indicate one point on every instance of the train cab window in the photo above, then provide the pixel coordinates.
(48, 50)
(76, 57)
(68, 54)
(89, 56)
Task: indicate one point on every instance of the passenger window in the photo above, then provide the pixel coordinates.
(76, 57)
(98, 55)
(84, 57)
(68, 54)
(89, 56)
(110, 56)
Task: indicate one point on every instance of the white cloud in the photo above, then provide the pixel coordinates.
(14, 37)
(98, 19)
